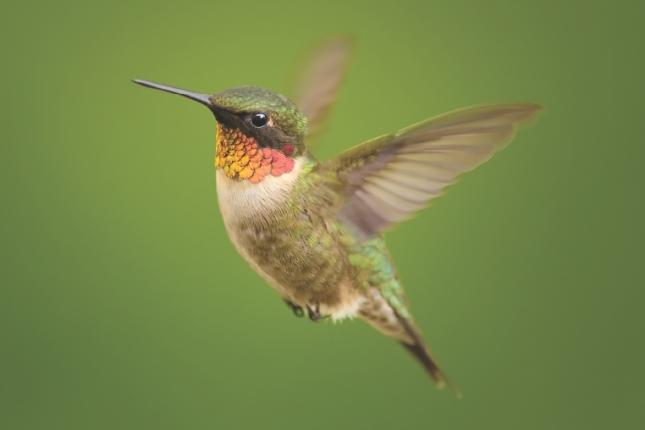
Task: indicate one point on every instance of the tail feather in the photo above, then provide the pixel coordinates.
(421, 354)
(381, 315)
(419, 351)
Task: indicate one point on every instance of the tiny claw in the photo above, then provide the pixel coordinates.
(314, 313)
(297, 310)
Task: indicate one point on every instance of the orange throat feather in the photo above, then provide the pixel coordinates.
(242, 158)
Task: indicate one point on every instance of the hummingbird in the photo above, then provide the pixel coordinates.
(314, 230)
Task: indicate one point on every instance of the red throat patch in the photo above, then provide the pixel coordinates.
(242, 158)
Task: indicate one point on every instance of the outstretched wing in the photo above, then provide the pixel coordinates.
(387, 179)
(320, 79)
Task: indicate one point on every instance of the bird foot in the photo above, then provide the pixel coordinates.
(297, 310)
(313, 312)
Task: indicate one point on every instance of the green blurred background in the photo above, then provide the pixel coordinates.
(124, 306)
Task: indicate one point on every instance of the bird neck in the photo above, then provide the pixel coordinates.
(242, 158)
(241, 200)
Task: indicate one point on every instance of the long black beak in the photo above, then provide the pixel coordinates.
(204, 99)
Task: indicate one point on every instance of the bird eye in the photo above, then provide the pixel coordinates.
(259, 119)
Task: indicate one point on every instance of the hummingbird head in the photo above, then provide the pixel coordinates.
(259, 132)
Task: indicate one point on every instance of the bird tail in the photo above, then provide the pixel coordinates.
(381, 315)
(417, 348)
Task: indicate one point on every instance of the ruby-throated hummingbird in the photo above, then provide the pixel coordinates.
(314, 230)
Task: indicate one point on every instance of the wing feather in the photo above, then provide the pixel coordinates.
(388, 179)
(320, 80)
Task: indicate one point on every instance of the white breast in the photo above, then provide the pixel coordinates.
(239, 200)
(242, 199)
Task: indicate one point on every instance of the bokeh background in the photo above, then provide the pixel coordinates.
(124, 306)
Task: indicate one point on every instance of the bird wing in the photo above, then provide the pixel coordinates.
(320, 79)
(389, 178)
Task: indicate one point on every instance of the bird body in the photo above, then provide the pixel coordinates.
(283, 227)
(286, 228)
(314, 230)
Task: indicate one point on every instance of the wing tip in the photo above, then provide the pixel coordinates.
(519, 111)
(528, 112)
(344, 41)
